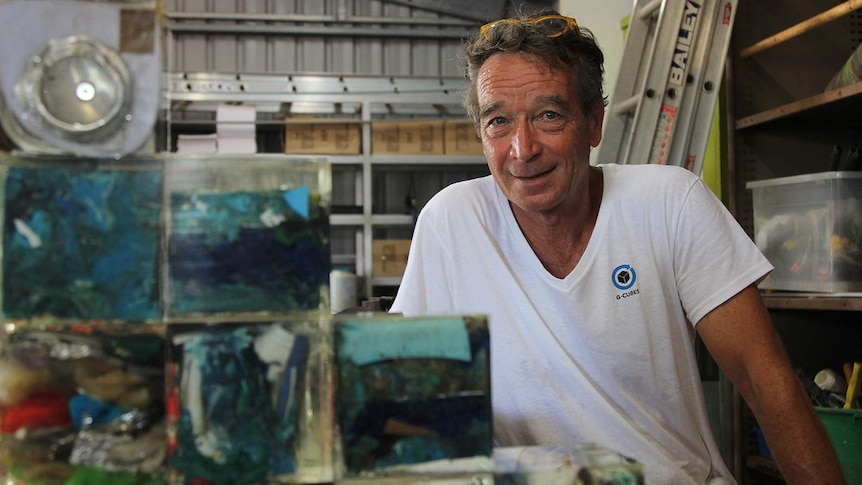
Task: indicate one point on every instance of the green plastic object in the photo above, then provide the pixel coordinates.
(850, 73)
(844, 427)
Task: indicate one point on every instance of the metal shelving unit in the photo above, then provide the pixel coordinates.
(191, 99)
(783, 122)
(813, 301)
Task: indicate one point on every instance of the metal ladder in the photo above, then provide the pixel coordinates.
(664, 100)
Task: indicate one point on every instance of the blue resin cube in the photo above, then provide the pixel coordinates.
(247, 235)
(244, 402)
(412, 391)
(81, 238)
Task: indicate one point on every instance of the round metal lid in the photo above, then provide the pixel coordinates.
(78, 87)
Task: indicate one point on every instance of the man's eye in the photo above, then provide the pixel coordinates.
(550, 121)
(499, 120)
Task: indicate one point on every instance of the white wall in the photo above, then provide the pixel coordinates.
(603, 19)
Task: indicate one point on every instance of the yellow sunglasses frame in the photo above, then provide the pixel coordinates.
(571, 24)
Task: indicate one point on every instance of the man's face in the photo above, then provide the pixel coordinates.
(535, 135)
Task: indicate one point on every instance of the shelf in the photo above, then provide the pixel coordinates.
(801, 28)
(196, 91)
(785, 123)
(392, 219)
(431, 160)
(343, 259)
(386, 280)
(346, 219)
(837, 104)
(191, 100)
(813, 301)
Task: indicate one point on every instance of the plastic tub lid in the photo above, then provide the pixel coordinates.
(798, 179)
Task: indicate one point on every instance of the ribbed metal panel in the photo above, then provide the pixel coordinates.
(368, 37)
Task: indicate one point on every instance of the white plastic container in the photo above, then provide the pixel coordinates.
(342, 290)
(810, 229)
(830, 381)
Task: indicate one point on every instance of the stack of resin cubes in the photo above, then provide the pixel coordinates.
(164, 320)
(247, 269)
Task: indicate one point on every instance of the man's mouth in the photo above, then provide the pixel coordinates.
(535, 175)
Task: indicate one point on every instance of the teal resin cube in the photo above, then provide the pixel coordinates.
(411, 391)
(247, 401)
(247, 235)
(81, 238)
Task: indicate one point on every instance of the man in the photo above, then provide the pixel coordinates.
(595, 279)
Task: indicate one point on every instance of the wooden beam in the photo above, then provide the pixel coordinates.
(802, 27)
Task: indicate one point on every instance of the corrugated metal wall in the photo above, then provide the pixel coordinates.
(367, 37)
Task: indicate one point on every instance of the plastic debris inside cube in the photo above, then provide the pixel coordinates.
(81, 238)
(556, 465)
(247, 402)
(412, 391)
(82, 404)
(247, 235)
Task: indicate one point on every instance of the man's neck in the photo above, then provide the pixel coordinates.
(560, 237)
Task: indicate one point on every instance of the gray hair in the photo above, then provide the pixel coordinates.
(575, 52)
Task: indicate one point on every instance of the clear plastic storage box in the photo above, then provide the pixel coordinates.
(810, 229)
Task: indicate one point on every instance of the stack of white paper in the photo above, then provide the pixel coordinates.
(197, 144)
(236, 129)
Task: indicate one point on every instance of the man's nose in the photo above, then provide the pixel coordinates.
(524, 144)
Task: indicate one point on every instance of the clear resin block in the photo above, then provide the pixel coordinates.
(247, 235)
(552, 465)
(81, 238)
(82, 404)
(250, 402)
(521, 465)
(412, 391)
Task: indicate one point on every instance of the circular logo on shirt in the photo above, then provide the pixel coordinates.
(624, 277)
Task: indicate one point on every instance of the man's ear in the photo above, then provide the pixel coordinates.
(596, 120)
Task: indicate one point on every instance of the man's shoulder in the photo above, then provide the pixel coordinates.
(473, 184)
(462, 202)
(476, 190)
(649, 177)
(648, 170)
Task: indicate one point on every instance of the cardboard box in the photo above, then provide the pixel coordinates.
(390, 257)
(413, 137)
(323, 137)
(461, 138)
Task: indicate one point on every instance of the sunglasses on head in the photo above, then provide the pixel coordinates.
(550, 25)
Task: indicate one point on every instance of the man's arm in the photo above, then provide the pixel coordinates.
(740, 336)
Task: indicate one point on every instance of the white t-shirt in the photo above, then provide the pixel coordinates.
(606, 354)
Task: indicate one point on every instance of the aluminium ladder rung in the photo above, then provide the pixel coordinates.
(662, 106)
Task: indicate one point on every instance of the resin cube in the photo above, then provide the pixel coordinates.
(81, 238)
(411, 391)
(247, 235)
(248, 402)
(82, 404)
